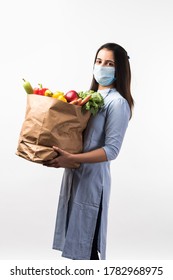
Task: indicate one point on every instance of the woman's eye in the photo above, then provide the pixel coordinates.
(111, 64)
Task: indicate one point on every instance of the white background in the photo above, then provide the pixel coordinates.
(54, 42)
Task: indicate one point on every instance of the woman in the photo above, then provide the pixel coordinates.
(81, 224)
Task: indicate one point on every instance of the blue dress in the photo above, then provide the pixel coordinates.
(83, 189)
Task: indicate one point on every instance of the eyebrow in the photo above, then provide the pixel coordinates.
(108, 60)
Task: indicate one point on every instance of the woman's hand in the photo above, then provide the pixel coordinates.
(63, 159)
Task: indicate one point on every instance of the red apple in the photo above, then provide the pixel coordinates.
(71, 95)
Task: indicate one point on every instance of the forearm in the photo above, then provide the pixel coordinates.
(68, 160)
(94, 156)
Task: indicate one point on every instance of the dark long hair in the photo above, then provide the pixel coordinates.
(123, 72)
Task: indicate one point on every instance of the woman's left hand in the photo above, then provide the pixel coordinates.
(64, 159)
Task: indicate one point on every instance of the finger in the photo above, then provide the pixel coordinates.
(58, 150)
(47, 164)
(51, 162)
(56, 165)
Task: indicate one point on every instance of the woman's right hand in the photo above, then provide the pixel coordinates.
(63, 159)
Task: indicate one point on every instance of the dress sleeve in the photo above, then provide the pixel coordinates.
(115, 127)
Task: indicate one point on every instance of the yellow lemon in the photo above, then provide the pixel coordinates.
(57, 94)
(62, 98)
(48, 93)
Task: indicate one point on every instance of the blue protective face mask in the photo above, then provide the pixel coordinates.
(104, 75)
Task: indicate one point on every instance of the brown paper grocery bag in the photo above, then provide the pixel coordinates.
(50, 122)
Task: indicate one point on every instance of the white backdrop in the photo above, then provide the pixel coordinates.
(54, 42)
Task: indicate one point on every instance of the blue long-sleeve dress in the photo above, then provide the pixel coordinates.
(83, 189)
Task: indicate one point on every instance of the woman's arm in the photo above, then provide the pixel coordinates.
(97, 155)
(68, 160)
(115, 128)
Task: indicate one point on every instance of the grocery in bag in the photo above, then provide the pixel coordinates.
(53, 122)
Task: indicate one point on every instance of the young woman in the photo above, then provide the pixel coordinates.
(81, 224)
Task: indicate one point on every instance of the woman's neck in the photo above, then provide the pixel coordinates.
(104, 87)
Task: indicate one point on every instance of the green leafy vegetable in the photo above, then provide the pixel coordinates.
(95, 102)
